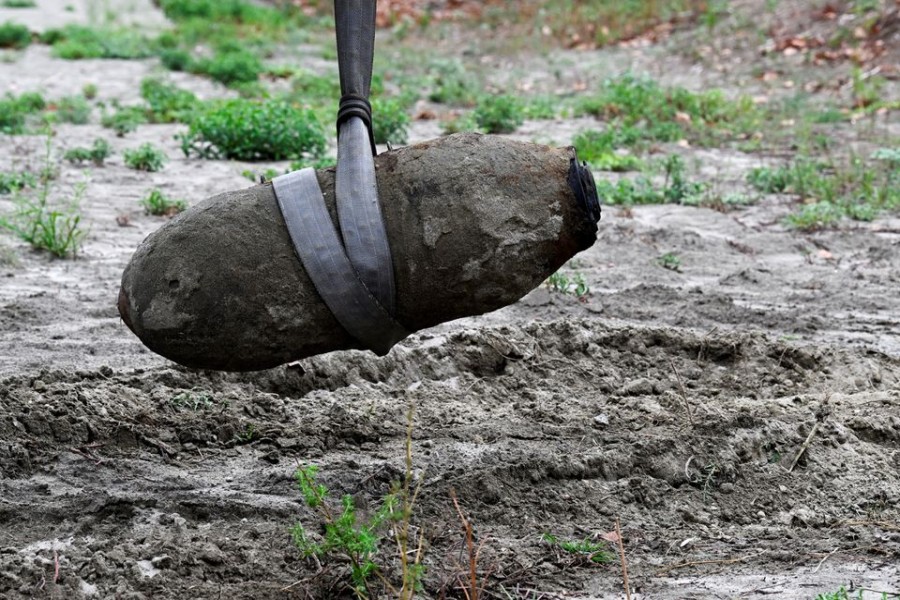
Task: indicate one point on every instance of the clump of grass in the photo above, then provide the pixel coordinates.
(231, 67)
(166, 102)
(145, 157)
(357, 540)
(124, 120)
(676, 188)
(252, 130)
(176, 59)
(452, 83)
(833, 190)
(73, 109)
(157, 203)
(75, 42)
(50, 226)
(390, 123)
(315, 163)
(499, 113)
(585, 549)
(641, 110)
(598, 148)
(89, 91)
(670, 261)
(99, 151)
(11, 182)
(561, 283)
(18, 4)
(14, 111)
(14, 35)
(541, 108)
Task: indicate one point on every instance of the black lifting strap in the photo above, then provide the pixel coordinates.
(356, 278)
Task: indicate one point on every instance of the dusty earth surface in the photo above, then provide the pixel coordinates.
(740, 417)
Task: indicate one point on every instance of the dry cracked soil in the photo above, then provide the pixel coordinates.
(739, 417)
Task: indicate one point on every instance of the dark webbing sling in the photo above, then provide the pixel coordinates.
(355, 278)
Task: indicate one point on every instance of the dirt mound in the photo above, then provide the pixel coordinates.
(177, 483)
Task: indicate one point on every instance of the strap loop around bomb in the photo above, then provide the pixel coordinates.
(325, 260)
(353, 105)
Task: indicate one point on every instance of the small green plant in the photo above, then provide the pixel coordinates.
(167, 103)
(670, 261)
(13, 35)
(815, 216)
(14, 111)
(124, 120)
(843, 594)
(315, 163)
(598, 148)
(157, 203)
(677, 187)
(586, 549)
(75, 42)
(145, 157)
(541, 108)
(499, 114)
(11, 182)
(452, 83)
(390, 123)
(73, 109)
(191, 401)
(176, 59)
(18, 4)
(356, 539)
(89, 91)
(560, 283)
(640, 110)
(45, 225)
(231, 67)
(56, 229)
(99, 151)
(252, 130)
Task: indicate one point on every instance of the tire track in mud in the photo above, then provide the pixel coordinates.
(167, 480)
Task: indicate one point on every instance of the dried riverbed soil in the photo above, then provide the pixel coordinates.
(740, 417)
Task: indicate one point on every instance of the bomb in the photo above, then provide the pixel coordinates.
(474, 222)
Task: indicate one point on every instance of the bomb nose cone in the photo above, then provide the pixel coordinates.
(581, 180)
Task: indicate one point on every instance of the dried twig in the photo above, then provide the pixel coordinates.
(687, 404)
(55, 566)
(473, 592)
(805, 445)
(696, 563)
(624, 562)
(827, 556)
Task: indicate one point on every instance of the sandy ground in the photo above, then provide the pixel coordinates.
(675, 401)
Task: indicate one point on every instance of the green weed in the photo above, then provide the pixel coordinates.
(89, 91)
(52, 227)
(560, 283)
(594, 552)
(75, 42)
(832, 190)
(73, 109)
(166, 102)
(145, 157)
(390, 123)
(676, 189)
(14, 111)
(252, 130)
(638, 109)
(843, 594)
(11, 182)
(231, 68)
(157, 203)
(598, 148)
(315, 163)
(99, 151)
(176, 59)
(13, 35)
(124, 120)
(499, 113)
(192, 401)
(18, 4)
(452, 83)
(356, 539)
(541, 108)
(670, 261)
